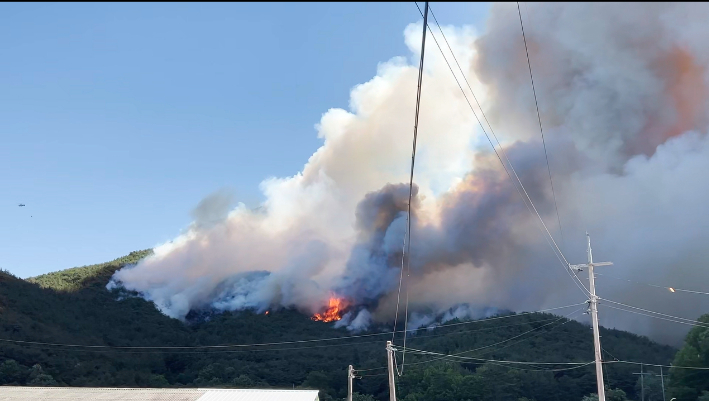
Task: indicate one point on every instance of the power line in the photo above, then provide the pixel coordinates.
(227, 346)
(564, 262)
(501, 363)
(370, 369)
(379, 374)
(561, 254)
(519, 335)
(494, 360)
(477, 330)
(455, 356)
(555, 248)
(159, 350)
(501, 342)
(657, 313)
(668, 288)
(426, 336)
(408, 234)
(515, 367)
(654, 316)
(661, 366)
(528, 338)
(502, 317)
(506, 364)
(539, 121)
(547, 370)
(610, 354)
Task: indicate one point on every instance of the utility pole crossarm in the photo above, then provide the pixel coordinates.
(581, 267)
(577, 268)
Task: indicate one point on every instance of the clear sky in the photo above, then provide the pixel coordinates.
(116, 119)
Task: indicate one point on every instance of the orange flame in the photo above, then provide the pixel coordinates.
(334, 311)
(267, 312)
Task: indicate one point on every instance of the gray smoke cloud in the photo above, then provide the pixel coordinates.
(623, 95)
(213, 209)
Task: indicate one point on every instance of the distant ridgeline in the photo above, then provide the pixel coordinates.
(74, 307)
(78, 277)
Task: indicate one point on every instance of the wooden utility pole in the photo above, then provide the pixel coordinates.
(663, 386)
(390, 370)
(643, 389)
(593, 298)
(351, 375)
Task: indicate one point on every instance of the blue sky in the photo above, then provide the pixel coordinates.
(116, 119)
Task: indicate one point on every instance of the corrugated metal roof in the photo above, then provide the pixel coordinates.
(259, 395)
(100, 394)
(12, 393)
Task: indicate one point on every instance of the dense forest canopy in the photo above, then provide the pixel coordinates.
(74, 307)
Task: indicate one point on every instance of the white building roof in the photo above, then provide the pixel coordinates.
(12, 393)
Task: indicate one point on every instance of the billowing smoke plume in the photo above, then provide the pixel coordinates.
(623, 96)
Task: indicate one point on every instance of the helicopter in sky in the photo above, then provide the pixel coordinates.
(21, 205)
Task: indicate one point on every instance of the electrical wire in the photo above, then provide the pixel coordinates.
(158, 350)
(668, 288)
(424, 336)
(561, 254)
(379, 374)
(528, 338)
(654, 316)
(555, 248)
(519, 335)
(501, 317)
(227, 346)
(477, 330)
(539, 121)
(508, 366)
(610, 354)
(661, 366)
(501, 342)
(456, 356)
(408, 234)
(657, 313)
(371, 369)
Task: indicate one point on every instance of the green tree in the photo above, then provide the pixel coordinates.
(652, 388)
(363, 397)
(39, 378)
(690, 384)
(611, 395)
(243, 381)
(11, 372)
(317, 380)
(158, 381)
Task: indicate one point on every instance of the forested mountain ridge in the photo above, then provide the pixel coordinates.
(79, 277)
(74, 307)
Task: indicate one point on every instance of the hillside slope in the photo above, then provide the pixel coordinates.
(81, 277)
(73, 307)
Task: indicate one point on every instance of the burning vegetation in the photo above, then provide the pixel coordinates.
(334, 311)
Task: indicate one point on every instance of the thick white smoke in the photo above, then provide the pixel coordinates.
(623, 91)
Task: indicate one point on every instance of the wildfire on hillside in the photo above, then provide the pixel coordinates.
(334, 311)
